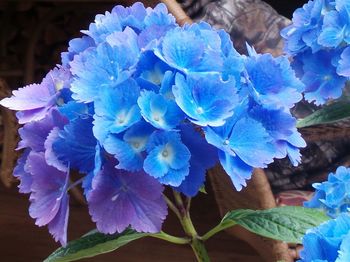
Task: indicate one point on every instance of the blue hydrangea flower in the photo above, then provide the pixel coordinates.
(317, 41)
(236, 168)
(233, 64)
(235, 140)
(333, 195)
(73, 148)
(281, 127)
(104, 25)
(119, 199)
(168, 158)
(132, 16)
(76, 46)
(205, 99)
(160, 112)
(95, 69)
(306, 26)
(272, 81)
(72, 110)
(336, 25)
(116, 109)
(157, 23)
(151, 72)
(343, 68)
(344, 251)
(320, 77)
(135, 104)
(129, 149)
(328, 242)
(199, 162)
(192, 48)
(116, 21)
(159, 16)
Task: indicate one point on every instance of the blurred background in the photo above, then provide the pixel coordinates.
(32, 36)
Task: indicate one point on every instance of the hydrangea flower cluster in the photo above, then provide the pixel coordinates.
(328, 242)
(333, 195)
(139, 103)
(318, 40)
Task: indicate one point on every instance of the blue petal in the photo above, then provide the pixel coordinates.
(174, 177)
(250, 141)
(332, 33)
(343, 68)
(116, 109)
(181, 154)
(238, 171)
(121, 41)
(207, 100)
(158, 111)
(199, 162)
(182, 49)
(137, 135)
(97, 68)
(154, 165)
(72, 110)
(168, 157)
(127, 157)
(76, 46)
(76, 145)
(344, 252)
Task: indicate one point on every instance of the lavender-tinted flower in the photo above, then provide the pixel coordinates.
(34, 101)
(119, 199)
(49, 197)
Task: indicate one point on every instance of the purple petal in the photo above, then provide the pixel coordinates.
(21, 173)
(34, 134)
(29, 97)
(119, 199)
(48, 189)
(58, 225)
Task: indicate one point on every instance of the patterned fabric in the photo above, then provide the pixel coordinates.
(257, 23)
(251, 21)
(293, 197)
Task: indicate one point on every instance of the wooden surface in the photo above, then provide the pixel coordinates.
(22, 241)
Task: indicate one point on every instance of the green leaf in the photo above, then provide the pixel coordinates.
(287, 223)
(328, 114)
(93, 244)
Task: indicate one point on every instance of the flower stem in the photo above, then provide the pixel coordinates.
(172, 206)
(195, 241)
(170, 238)
(199, 250)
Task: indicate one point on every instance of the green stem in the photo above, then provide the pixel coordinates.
(188, 205)
(172, 206)
(215, 230)
(172, 239)
(199, 250)
(196, 242)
